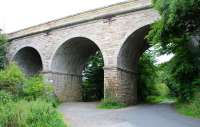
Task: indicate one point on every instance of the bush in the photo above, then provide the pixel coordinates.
(34, 87)
(190, 108)
(3, 58)
(26, 101)
(5, 97)
(182, 77)
(161, 90)
(11, 79)
(30, 114)
(147, 76)
(110, 103)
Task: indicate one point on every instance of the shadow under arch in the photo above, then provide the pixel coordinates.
(29, 60)
(127, 62)
(67, 65)
(133, 48)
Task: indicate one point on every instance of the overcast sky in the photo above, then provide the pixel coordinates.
(19, 14)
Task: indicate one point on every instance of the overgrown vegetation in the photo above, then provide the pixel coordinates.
(110, 103)
(151, 88)
(175, 33)
(24, 113)
(93, 88)
(25, 101)
(178, 32)
(190, 108)
(147, 77)
(3, 59)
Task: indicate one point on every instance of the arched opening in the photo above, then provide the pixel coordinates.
(29, 60)
(127, 62)
(132, 49)
(67, 67)
(138, 66)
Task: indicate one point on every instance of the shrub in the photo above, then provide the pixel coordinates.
(110, 103)
(30, 114)
(147, 76)
(11, 79)
(5, 97)
(183, 74)
(3, 58)
(161, 89)
(190, 108)
(34, 87)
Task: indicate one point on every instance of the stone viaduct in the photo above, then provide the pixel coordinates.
(59, 49)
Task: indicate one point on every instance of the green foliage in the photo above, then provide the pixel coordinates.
(11, 79)
(155, 99)
(3, 58)
(93, 78)
(26, 101)
(5, 97)
(34, 87)
(147, 77)
(190, 108)
(182, 75)
(110, 103)
(161, 89)
(174, 33)
(179, 20)
(30, 114)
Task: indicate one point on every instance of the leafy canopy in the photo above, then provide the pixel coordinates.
(178, 32)
(179, 22)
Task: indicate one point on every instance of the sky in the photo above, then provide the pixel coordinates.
(19, 14)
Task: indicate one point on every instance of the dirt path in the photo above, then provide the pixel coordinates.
(162, 115)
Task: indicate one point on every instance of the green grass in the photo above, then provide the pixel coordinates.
(159, 99)
(191, 109)
(109, 103)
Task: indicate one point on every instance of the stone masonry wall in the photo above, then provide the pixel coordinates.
(120, 85)
(67, 87)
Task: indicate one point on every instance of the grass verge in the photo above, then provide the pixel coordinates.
(191, 109)
(109, 103)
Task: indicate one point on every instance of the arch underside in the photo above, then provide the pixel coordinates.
(67, 66)
(127, 63)
(29, 60)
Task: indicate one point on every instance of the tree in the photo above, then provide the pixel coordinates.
(147, 76)
(178, 32)
(3, 59)
(93, 78)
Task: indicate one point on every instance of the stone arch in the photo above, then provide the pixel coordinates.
(127, 61)
(67, 65)
(131, 50)
(29, 60)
